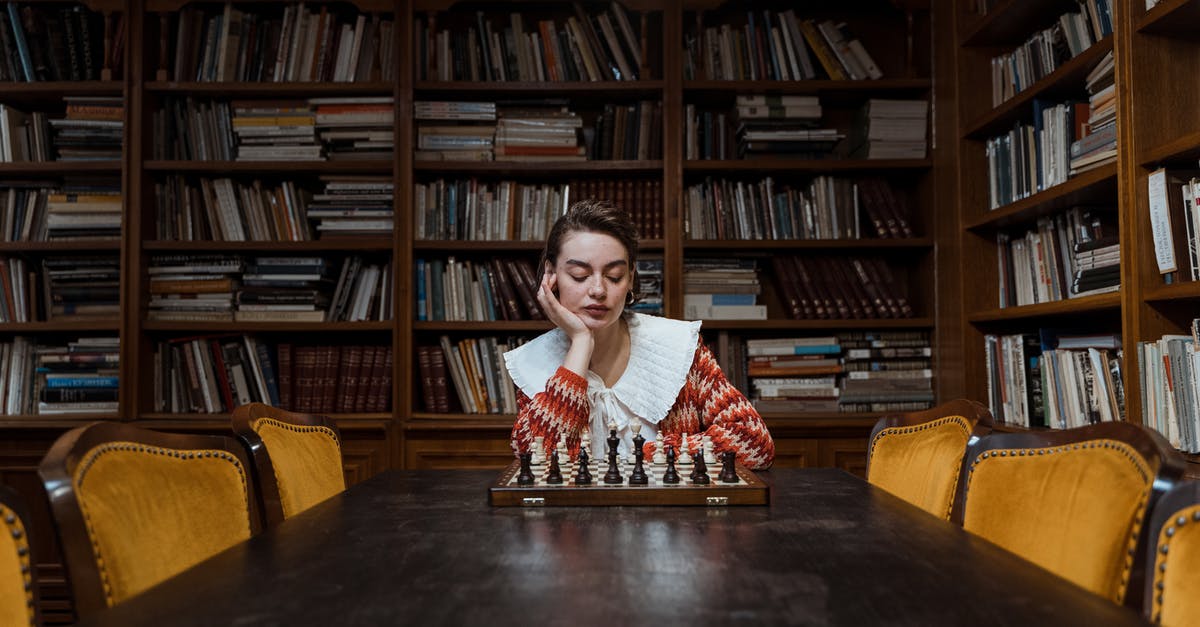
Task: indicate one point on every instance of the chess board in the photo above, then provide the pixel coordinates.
(505, 492)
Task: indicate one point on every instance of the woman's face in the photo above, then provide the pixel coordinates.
(593, 277)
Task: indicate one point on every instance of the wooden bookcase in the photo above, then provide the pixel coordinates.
(1155, 127)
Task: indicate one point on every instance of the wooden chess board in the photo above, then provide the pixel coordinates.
(506, 492)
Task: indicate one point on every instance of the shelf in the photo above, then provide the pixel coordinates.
(1184, 290)
(56, 169)
(539, 167)
(784, 421)
(367, 6)
(160, 420)
(343, 244)
(270, 90)
(502, 89)
(422, 421)
(1098, 186)
(40, 91)
(859, 89)
(483, 326)
(810, 244)
(379, 166)
(806, 165)
(62, 326)
(1176, 18)
(827, 324)
(1012, 21)
(202, 326)
(52, 421)
(1183, 148)
(1071, 306)
(62, 246)
(1066, 81)
(461, 246)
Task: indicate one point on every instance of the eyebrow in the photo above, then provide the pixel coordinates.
(607, 266)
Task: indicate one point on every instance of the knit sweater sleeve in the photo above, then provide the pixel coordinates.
(724, 414)
(562, 408)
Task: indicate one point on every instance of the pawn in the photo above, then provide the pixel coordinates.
(539, 446)
(671, 475)
(685, 458)
(583, 476)
(525, 476)
(707, 444)
(728, 472)
(659, 456)
(561, 449)
(554, 475)
(699, 471)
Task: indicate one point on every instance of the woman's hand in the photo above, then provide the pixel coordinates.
(563, 318)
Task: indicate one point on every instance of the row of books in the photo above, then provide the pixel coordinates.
(59, 288)
(890, 129)
(217, 373)
(1034, 157)
(91, 130)
(315, 129)
(228, 287)
(826, 208)
(1054, 378)
(815, 287)
(299, 45)
(473, 209)
(1048, 48)
(1174, 198)
(75, 209)
(1170, 385)
(491, 289)
(474, 369)
(758, 125)
(1072, 254)
(79, 376)
(600, 46)
(722, 288)
(777, 48)
(40, 42)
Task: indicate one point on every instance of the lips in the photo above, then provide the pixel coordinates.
(596, 311)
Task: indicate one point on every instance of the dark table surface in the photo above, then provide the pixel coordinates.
(425, 548)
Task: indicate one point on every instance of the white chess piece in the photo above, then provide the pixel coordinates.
(659, 456)
(710, 456)
(585, 441)
(636, 428)
(685, 457)
(562, 450)
(539, 444)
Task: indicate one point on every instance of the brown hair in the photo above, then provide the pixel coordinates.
(594, 216)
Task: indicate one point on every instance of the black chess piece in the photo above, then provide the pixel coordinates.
(638, 476)
(554, 475)
(670, 475)
(583, 476)
(525, 476)
(613, 476)
(728, 472)
(699, 470)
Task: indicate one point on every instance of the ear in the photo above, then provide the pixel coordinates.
(547, 269)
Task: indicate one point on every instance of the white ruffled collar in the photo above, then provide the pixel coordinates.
(661, 352)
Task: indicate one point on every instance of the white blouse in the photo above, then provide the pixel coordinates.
(661, 352)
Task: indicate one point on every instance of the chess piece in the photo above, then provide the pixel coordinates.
(585, 441)
(728, 472)
(685, 457)
(613, 476)
(706, 444)
(539, 447)
(660, 457)
(525, 476)
(554, 475)
(699, 471)
(583, 476)
(671, 475)
(638, 476)
(563, 455)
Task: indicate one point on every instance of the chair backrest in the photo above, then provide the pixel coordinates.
(134, 507)
(1172, 591)
(917, 456)
(297, 458)
(18, 581)
(1073, 501)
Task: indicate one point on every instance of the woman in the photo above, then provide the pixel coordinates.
(601, 365)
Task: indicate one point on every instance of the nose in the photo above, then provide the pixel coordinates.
(596, 289)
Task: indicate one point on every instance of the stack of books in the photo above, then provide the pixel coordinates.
(284, 288)
(538, 133)
(93, 129)
(886, 371)
(193, 287)
(649, 286)
(353, 206)
(455, 142)
(1098, 145)
(794, 374)
(782, 125)
(83, 210)
(80, 377)
(82, 287)
(359, 127)
(276, 131)
(891, 129)
(722, 289)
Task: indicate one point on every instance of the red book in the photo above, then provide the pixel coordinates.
(218, 361)
(284, 359)
(425, 367)
(364, 378)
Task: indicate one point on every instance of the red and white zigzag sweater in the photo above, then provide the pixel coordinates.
(706, 405)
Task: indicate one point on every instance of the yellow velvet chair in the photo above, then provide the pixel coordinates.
(297, 458)
(917, 456)
(1173, 559)
(1073, 501)
(134, 507)
(18, 581)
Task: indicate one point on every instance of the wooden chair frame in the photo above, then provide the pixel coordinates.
(58, 468)
(270, 503)
(13, 501)
(1165, 463)
(1185, 494)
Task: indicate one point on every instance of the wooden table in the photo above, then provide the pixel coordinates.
(424, 548)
